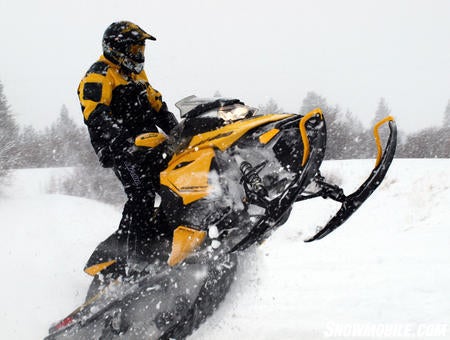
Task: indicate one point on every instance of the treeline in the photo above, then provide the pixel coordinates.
(65, 143)
(348, 139)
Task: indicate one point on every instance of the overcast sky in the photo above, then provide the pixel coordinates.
(352, 52)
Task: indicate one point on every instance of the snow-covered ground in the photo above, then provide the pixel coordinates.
(384, 274)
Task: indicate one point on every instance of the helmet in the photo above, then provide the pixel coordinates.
(124, 43)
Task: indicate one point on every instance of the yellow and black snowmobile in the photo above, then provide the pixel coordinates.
(230, 178)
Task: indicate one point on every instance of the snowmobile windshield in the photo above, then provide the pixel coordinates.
(226, 109)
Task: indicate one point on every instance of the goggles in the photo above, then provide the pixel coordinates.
(137, 50)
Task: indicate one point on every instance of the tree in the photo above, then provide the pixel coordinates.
(8, 135)
(334, 131)
(430, 142)
(270, 107)
(65, 139)
(346, 137)
(356, 141)
(313, 101)
(31, 153)
(427, 143)
(446, 122)
(93, 182)
(382, 111)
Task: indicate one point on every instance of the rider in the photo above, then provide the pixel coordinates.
(118, 104)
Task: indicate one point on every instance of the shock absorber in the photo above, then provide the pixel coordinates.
(253, 185)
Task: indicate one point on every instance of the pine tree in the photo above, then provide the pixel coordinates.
(270, 107)
(446, 122)
(30, 147)
(355, 139)
(429, 142)
(65, 139)
(313, 101)
(382, 112)
(345, 133)
(8, 135)
(444, 134)
(334, 128)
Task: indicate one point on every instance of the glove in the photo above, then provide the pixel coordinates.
(124, 151)
(105, 157)
(165, 119)
(131, 154)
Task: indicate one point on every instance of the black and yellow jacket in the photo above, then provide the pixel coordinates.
(117, 107)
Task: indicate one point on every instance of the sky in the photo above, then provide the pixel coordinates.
(352, 52)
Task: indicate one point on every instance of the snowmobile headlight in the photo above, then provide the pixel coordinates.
(235, 112)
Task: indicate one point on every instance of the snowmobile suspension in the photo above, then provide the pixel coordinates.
(253, 185)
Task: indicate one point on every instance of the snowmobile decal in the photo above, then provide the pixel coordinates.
(150, 139)
(226, 136)
(187, 175)
(64, 323)
(185, 240)
(95, 269)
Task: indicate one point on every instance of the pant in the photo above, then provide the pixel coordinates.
(141, 230)
(140, 186)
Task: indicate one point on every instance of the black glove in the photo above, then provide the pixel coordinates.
(131, 154)
(126, 153)
(105, 157)
(165, 119)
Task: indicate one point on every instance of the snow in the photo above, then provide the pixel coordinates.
(388, 266)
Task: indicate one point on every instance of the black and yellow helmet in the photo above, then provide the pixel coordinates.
(123, 43)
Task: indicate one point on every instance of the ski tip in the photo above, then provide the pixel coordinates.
(318, 235)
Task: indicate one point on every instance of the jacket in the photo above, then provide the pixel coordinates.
(117, 107)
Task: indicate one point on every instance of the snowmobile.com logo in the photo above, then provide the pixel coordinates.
(384, 330)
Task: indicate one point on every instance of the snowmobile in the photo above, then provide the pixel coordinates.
(229, 179)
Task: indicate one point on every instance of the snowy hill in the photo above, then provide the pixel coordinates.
(388, 266)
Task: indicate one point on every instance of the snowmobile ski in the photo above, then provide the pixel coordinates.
(352, 202)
